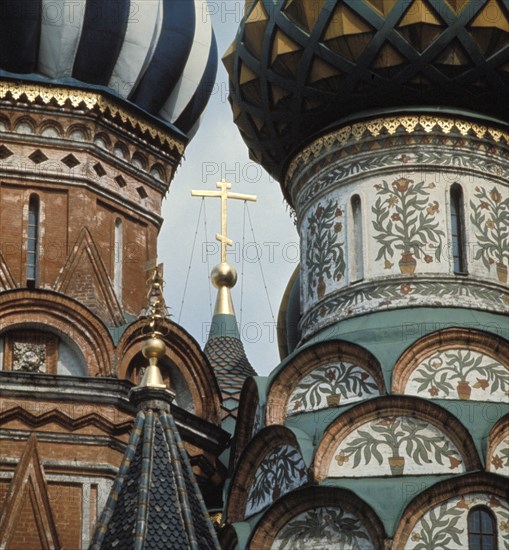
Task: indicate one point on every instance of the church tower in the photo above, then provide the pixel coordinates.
(98, 101)
(385, 424)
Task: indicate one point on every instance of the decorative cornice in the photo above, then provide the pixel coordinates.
(407, 124)
(78, 99)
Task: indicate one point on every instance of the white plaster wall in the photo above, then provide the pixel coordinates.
(70, 361)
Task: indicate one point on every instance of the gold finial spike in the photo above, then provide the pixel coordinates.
(224, 195)
(155, 348)
(224, 277)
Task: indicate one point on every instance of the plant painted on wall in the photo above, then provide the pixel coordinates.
(281, 471)
(455, 373)
(405, 222)
(490, 217)
(329, 386)
(322, 529)
(405, 438)
(324, 253)
(500, 459)
(445, 526)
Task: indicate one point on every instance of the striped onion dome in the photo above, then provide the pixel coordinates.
(160, 55)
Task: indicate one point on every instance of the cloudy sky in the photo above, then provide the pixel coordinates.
(218, 151)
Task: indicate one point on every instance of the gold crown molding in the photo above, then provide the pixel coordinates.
(83, 99)
(389, 126)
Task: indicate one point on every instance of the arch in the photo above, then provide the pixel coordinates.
(449, 349)
(482, 528)
(78, 132)
(388, 410)
(21, 308)
(24, 125)
(319, 355)
(139, 160)
(497, 456)
(102, 140)
(121, 151)
(249, 408)
(308, 499)
(356, 239)
(118, 258)
(51, 129)
(5, 123)
(280, 445)
(458, 492)
(158, 172)
(183, 352)
(457, 221)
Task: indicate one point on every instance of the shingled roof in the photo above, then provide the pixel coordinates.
(155, 502)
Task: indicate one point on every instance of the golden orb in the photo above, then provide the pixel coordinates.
(223, 275)
(154, 347)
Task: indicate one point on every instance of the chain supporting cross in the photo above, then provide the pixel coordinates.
(224, 195)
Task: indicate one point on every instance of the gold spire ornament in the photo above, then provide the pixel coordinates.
(224, 195)
(224, 276)
(155, 348)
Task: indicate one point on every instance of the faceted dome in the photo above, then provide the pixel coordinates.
(297, 66)
(160, 55)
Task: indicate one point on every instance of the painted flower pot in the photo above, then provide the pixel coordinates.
(333, 400)
(464, 390)
(407, 264)
(502, 272)
(321, 288)
(397, 464)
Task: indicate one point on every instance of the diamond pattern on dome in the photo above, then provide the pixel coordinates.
(348, 34)
(323, 61)
(304, 13)
(256, 23)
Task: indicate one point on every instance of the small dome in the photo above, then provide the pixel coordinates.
(298, 66)
(160, 55)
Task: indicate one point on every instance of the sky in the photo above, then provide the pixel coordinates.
(264, 263)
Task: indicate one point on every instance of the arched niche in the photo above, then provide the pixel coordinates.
(184, 354)
(324, 375)
(455, 363)
(319, 517)
(269, 467)
(438, 516)
(395, 436)
(55, 313)
(497, 458)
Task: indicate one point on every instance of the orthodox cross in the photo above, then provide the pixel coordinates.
(224, 195)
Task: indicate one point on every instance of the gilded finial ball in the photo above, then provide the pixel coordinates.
(154, 348)
(223, 275)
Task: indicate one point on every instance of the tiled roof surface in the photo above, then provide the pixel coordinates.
(155, 502)
(231, 366)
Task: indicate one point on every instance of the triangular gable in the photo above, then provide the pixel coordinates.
(84, 277)
(29, 489)
(6, 279)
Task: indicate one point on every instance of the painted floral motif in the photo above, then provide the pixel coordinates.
(322, 529)
(257, 422)
(405, 221)
(490, 217)
(324, 252)
(280, 472)
(399, 442)
(461, 374)
(330, 386)
(500, 459)
(445, 527)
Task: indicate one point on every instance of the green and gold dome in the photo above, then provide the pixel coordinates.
(297, 66)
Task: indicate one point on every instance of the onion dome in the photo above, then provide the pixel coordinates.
(298, 66)
(159, 55)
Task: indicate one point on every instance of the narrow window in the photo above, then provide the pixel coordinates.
(118, 258)
(33, 241)
(481, 529)
(357, 261)
(457, 230)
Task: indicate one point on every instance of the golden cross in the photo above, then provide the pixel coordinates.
(224, 195)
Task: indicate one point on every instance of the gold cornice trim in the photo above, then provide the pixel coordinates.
(88, 100)
(389, 126)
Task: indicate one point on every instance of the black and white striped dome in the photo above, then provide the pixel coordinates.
(160, 55)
